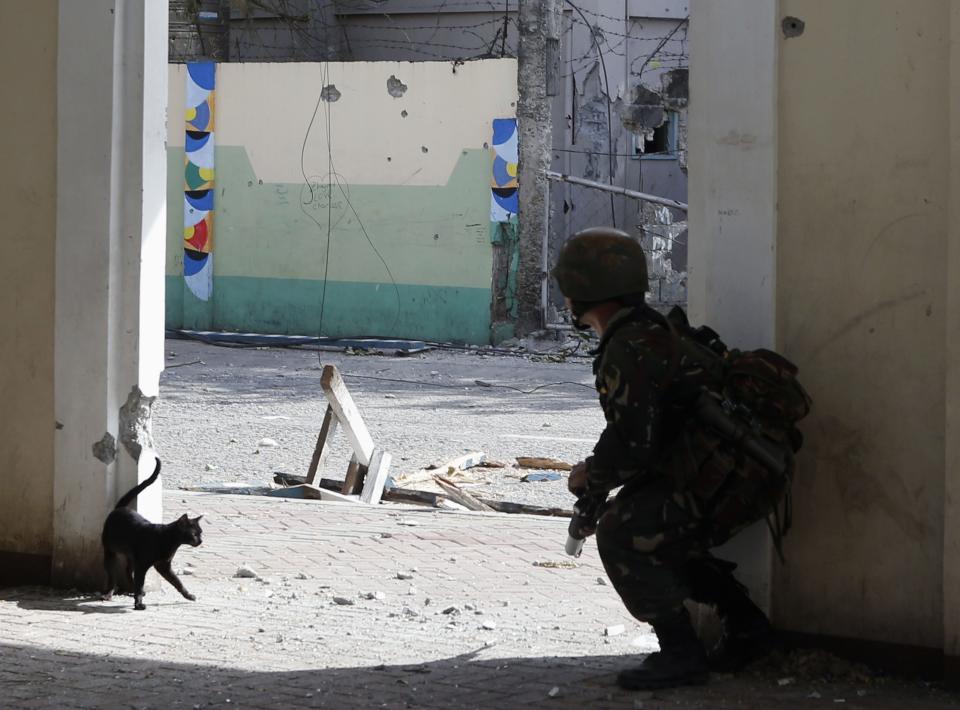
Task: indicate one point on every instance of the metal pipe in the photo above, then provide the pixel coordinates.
(654, 199)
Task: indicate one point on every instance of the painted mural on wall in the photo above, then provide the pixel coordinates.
(408, 216)
(504, 233)
(199, 180)
(505, 200)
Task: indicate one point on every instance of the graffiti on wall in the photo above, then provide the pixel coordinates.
(505, 200)
(199, 180)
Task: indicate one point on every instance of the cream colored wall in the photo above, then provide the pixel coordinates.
(268, 109)
(28, 67)
(951, 547)
(861, 308)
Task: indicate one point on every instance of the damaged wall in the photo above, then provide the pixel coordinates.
(405, 192)
(28, 65)
(623, 120)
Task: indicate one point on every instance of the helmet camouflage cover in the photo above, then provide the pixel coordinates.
(601, 264)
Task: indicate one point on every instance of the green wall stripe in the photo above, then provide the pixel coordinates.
(292, 307)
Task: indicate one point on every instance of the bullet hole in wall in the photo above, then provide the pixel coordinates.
(793, 27)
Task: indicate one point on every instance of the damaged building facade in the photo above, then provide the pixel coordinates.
(606, 101)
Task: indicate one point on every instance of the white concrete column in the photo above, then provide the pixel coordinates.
(733, 197)
(111, 211)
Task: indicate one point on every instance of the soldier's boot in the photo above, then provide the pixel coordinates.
(746, 635)
(681, 659)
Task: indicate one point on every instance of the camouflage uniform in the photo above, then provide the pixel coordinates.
(647, 378)
(685, 488)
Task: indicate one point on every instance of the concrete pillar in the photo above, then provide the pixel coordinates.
(733, 197)
(951, 497)
(111, 211)
(28, 67)
(539, 43)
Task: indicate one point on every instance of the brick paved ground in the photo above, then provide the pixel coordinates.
(282, 641)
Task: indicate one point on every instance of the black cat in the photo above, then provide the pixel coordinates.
(132, 544)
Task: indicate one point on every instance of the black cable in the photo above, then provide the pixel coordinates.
(476, 383)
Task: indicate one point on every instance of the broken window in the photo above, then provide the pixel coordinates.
(658, 143)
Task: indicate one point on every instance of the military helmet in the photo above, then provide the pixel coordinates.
(601, 264)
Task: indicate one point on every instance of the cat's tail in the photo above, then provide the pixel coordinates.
(130, 495)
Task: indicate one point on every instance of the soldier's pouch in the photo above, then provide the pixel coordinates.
(699, 462)
(731, 490)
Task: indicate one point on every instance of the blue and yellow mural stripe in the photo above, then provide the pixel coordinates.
(199, 174)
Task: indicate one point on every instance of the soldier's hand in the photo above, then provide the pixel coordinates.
(577, 483)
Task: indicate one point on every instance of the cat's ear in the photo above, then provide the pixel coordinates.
(183, 519)
(198, 519)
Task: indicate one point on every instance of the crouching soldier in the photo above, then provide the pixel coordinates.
(700, 441)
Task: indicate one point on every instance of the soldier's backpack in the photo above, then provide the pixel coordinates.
(735, 453)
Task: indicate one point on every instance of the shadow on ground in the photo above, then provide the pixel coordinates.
(39, 677)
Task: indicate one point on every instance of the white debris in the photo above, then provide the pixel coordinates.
(411, 591)
(407, 611)
(186, 572)
(302, 575)
(601, 581)
(378, 596)
(451, 610)
(554, 692)
(404, 575)
(343, 601)
(268, 443)
(389, 396)
(407, 523)
(246, 572)
(210, 467)
(488, 625)
(786, 681)
(814, 695)
(614, 630)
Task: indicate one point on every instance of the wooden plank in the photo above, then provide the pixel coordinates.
(460, 496)
(334, 497)
(353, 481)
(307, 492)
(461, 463)
(409, 495)
(376, 477)
(347, 413)
(324, 441)
(502, 506)
(544, 464)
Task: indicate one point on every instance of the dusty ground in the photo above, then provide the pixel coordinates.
(375, 606)
(425, 409)
(362, 607)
